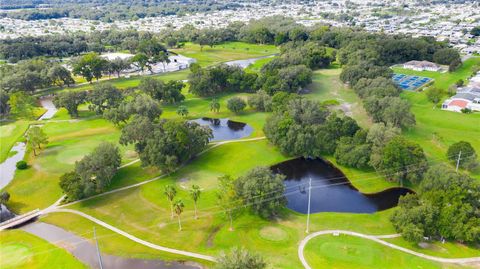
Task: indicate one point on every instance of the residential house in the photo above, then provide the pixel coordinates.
(467, 97)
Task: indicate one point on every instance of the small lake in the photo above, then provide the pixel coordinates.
(246, 62)
(86, 251)
(17, 152)
(8, 167)
(47, 103)
(225, 129)
(331, 190)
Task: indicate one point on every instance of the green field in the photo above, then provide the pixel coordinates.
(444, 80)
(229, 51)
(37, 186)
(343, 251)
(19, 249)
(144, 211)
(10, 133)
(437, 129)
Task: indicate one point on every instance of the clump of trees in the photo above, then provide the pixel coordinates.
(36, 137)
(19, 104)
(305, 128)
(31, 75)
(90, 66)
(236, 104)
(219, 79)
(402, 160)
(445, 207)
(262, 191)
(311, 54)
(381, 100)
(138, 104)
(165, 144)
(291, 79)
(92, 174)
(70, 101)
(170, 92)
(260, 101)
(103, 97)
(463, 153)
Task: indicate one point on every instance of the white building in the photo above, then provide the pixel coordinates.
(421, 66)
(114, 55)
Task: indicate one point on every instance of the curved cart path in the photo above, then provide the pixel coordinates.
(134, 238)
(214, 145)
(377, 239)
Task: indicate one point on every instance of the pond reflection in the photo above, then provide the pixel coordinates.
(331, 190)
(225, 129)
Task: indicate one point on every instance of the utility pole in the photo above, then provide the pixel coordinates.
(458, 160)
(98, 249)
(309, 198)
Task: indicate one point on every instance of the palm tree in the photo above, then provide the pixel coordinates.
(178, 207)
(215, 105)
(170, 192)
(195, 194)
(182, 111)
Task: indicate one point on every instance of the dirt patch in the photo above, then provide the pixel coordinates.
(211, 236)
(346, 108)
(433, 247)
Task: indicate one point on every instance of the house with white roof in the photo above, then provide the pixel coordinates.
(421, 66)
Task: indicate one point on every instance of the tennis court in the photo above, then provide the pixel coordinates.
(410, 83)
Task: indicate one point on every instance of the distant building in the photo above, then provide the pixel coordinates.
(114, 55)
(468, 97)
(421, 66)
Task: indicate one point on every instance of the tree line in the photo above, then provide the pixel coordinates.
(109, 11)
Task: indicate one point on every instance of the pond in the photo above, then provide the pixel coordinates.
(86, 251)
(225, 129)
(331, 190)
(246, 62)
(8, 167)
(47, 103)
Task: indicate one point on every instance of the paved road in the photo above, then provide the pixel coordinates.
(136, 239)
(377, 239)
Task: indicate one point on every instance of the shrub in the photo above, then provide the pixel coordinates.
(236, 104)
(21, 165)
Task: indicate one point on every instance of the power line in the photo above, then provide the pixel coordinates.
(253, 203)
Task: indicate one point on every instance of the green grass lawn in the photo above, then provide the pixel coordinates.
(228, 51)
(444, 80)
(10, 133)
(37, 186)
(326, 86)
(437, 129)
(19, 249)
(343, 251)
(144, 211)
(436, 248)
